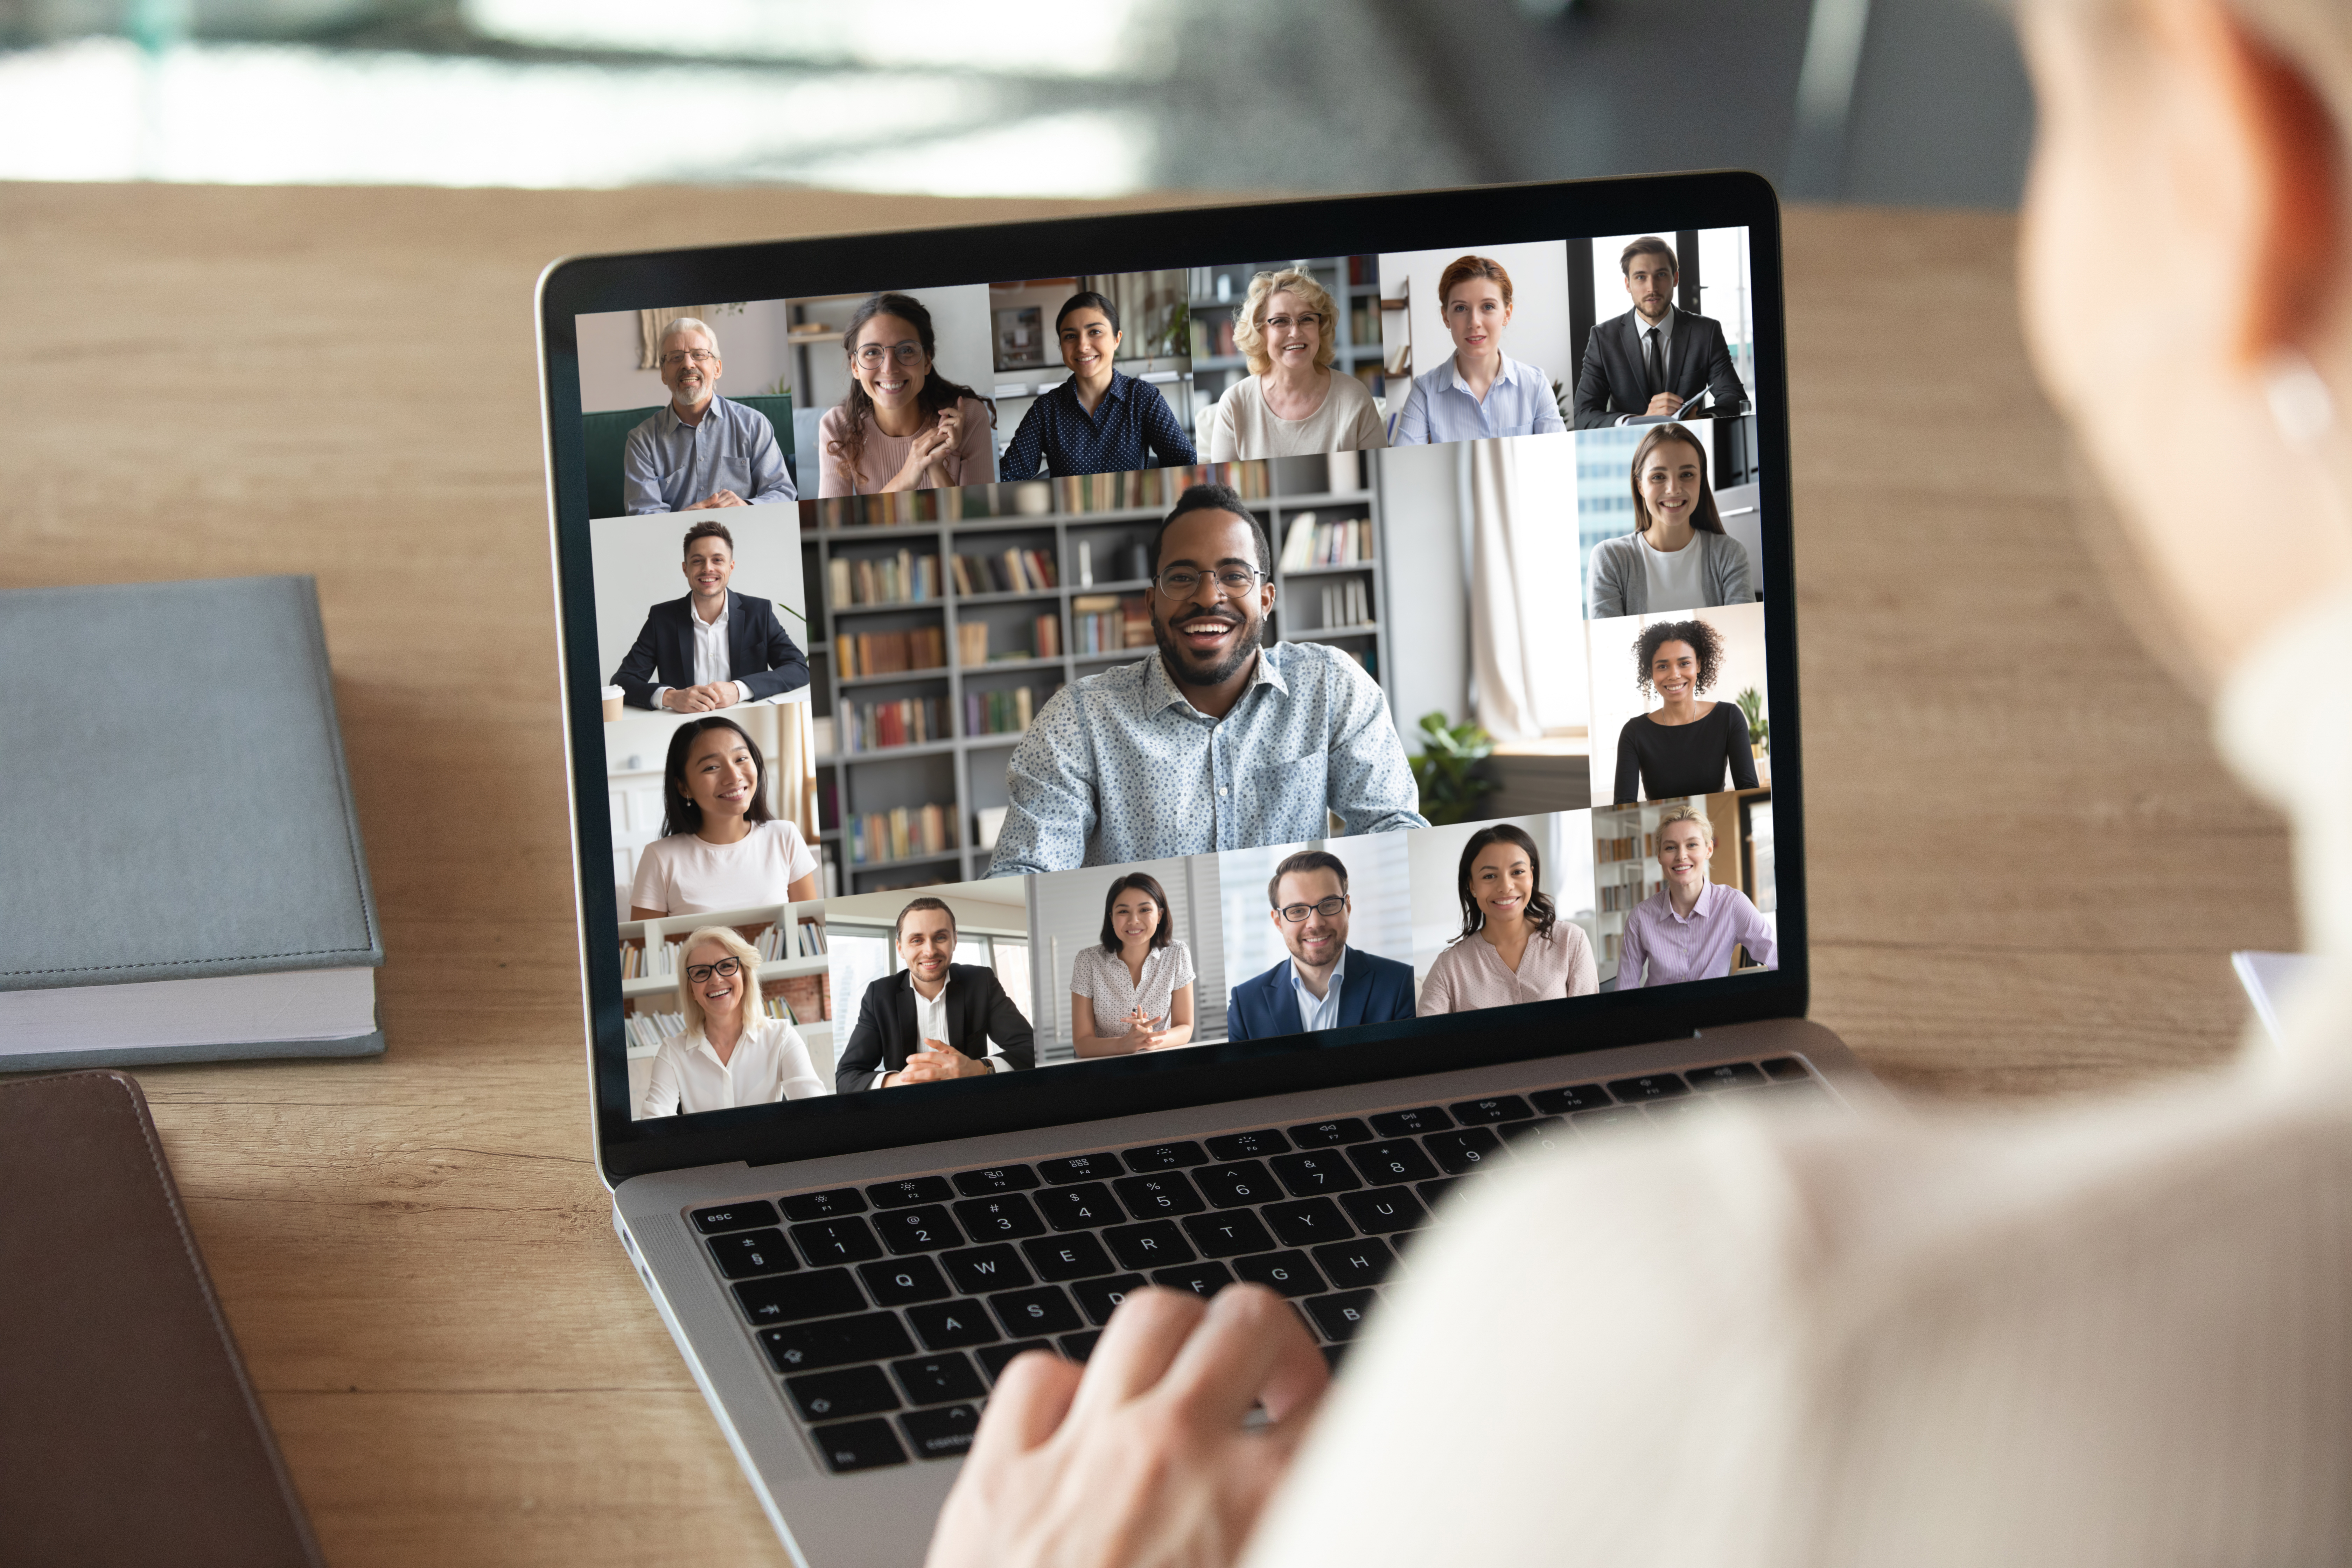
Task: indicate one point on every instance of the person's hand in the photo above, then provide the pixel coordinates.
(1667, 403)
(700, 698)
(926, 449)
(1160, 1040)
(1141, 1457)
(936, 1061)
(716, 497)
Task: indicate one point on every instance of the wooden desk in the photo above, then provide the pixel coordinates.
(2027, 870)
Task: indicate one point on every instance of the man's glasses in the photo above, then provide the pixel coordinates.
(677, 357)
(1235, 581)
(909, 356)
(1329, 909)
(725, 969)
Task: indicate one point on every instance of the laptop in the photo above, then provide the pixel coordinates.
(1159, 748)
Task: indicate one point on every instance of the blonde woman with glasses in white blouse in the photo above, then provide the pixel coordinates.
(730, 1053)
(1292, 402)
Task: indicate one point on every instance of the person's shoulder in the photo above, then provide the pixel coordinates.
(782, 829)
(1119, 680)
(1350, 390)
(833, 421)
(667, 847)
(649, 426)
(675, 609)
(972, 974)
(1243, 389)
(1376, 965)
(1617, 547)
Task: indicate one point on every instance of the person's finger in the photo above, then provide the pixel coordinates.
(1032, 1396)
(1251, 1349)
(1137, 1346)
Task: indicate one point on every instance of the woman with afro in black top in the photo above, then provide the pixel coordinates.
(1682, 747)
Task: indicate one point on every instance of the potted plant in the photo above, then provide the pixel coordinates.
(1759, 731)
(1449, 768)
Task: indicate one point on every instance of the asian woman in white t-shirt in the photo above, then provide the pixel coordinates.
(720, 847)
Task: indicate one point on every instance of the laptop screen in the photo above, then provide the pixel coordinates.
(1266, 652)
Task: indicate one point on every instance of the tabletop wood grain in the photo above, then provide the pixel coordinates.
(2027, 870)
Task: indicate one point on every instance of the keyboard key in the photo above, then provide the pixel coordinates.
(1430, 1192)
(1472, 1149)
(1165, 1157)
(1669, 1112)
(1062, 1258)
(1380, 1212)
(996, 1179)
(1352, 1265)
(1384, 1164)
(941, 1434)
(847, 1240)
(1247, 1145)
(1040, 1310)
(979, 1269)
(858, 1446)
(830, 1204)
(1291, 1273)
(1794, 1093)
(750, 1252)
(1154, 1244)
(912, 1191)
(1079, 1347)
(1228, 1235)
(1200, 1279)
(1079, 1208)
(1080, 1168)
(734, 1216)
(1785, 1069)
(1100, 1298)
(852, 1391)
(1545, 1133)
(925, 1229)
(1406, 1124)
(1154, 1197)
(790, 1299)
(902, 1282)
(1306, 1174)
(937, 1379)
(1340, 1315)
(1230, 1186)
(1726, 1075)
(1560, 1101)
(995, 1359)
(1650, 1086)
(1008, 1218)
(945, 1325)
(1327, 1134)
(1617, 1118)
(1495, 1107)
(1307, 1222)
(1331, 1355)
(836, 1341)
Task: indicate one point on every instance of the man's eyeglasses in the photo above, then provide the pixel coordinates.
(1329, 909)
(1235, 581)
(908, 354)
(677, 357)
(725, 969)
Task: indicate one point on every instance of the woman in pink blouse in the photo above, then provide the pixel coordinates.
(1688, 929)
(902, 425)
(1514, 947)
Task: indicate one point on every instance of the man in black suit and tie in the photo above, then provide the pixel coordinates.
(1649, 361)
(712, 648)
(933, 1020)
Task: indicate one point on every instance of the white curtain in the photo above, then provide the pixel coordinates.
(1513, 617)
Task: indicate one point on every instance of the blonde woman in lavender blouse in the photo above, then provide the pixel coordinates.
(1514, 947)
(1687, 929)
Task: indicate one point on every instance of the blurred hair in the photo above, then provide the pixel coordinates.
(1463, 269)
(1685, 813)
(1217, 498)
(689, 324)
(710, 529)
(1249, 317)
(898, 926)
(1540, 913)
(1703, 640)
(1648, 245)
(679, 812)
(1304, 861)
(1704, 516)
(1141, 882)
(1087, 299)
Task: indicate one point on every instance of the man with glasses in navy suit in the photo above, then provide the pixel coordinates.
(1325, 984)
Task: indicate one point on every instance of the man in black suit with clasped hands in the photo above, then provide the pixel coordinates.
(1649, 361)
(712, 648)
(933, 1020)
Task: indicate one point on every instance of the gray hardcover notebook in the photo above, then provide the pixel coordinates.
(181, 877)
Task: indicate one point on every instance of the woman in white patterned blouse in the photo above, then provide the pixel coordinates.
(1134, 991)
(1514, 947)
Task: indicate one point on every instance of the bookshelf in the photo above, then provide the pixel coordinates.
(1353, 282)
(963, 770)
(657, 993)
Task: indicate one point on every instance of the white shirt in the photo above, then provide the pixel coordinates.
(1677, 577)
(711, 659)
(2086, 1337)
(770, 1062)
(1319, 1012)
(685, 875)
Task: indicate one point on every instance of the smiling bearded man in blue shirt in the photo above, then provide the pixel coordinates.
(1216, 743)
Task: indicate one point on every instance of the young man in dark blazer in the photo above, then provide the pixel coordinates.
(1325, 984)
(712, 648)
(933, 1020)
(1627, 376)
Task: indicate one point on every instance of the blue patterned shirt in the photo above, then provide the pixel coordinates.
(1119, 767)
(1440, 409)
(1130, 428)
(668, 464)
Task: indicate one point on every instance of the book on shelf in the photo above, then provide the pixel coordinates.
(891, 652)
(1006, 572)
(905, 578)
(971, 643)
(1106, 623)
(1314, 541)
(1153, 488)
(1625, 848)
(802, 939)
(879, 726)
(901, 832)
(1346, 603)
(999, 712)
(646, 1031)
(1049, 636)
(1360, 271)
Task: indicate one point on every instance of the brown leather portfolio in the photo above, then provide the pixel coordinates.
(128, 1432)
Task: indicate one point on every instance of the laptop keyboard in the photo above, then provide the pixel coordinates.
(889, 1311)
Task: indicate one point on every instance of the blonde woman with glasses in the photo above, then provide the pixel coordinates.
(1292, 402)
(730, 1053)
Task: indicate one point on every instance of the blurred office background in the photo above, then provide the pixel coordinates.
(1896, 102)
